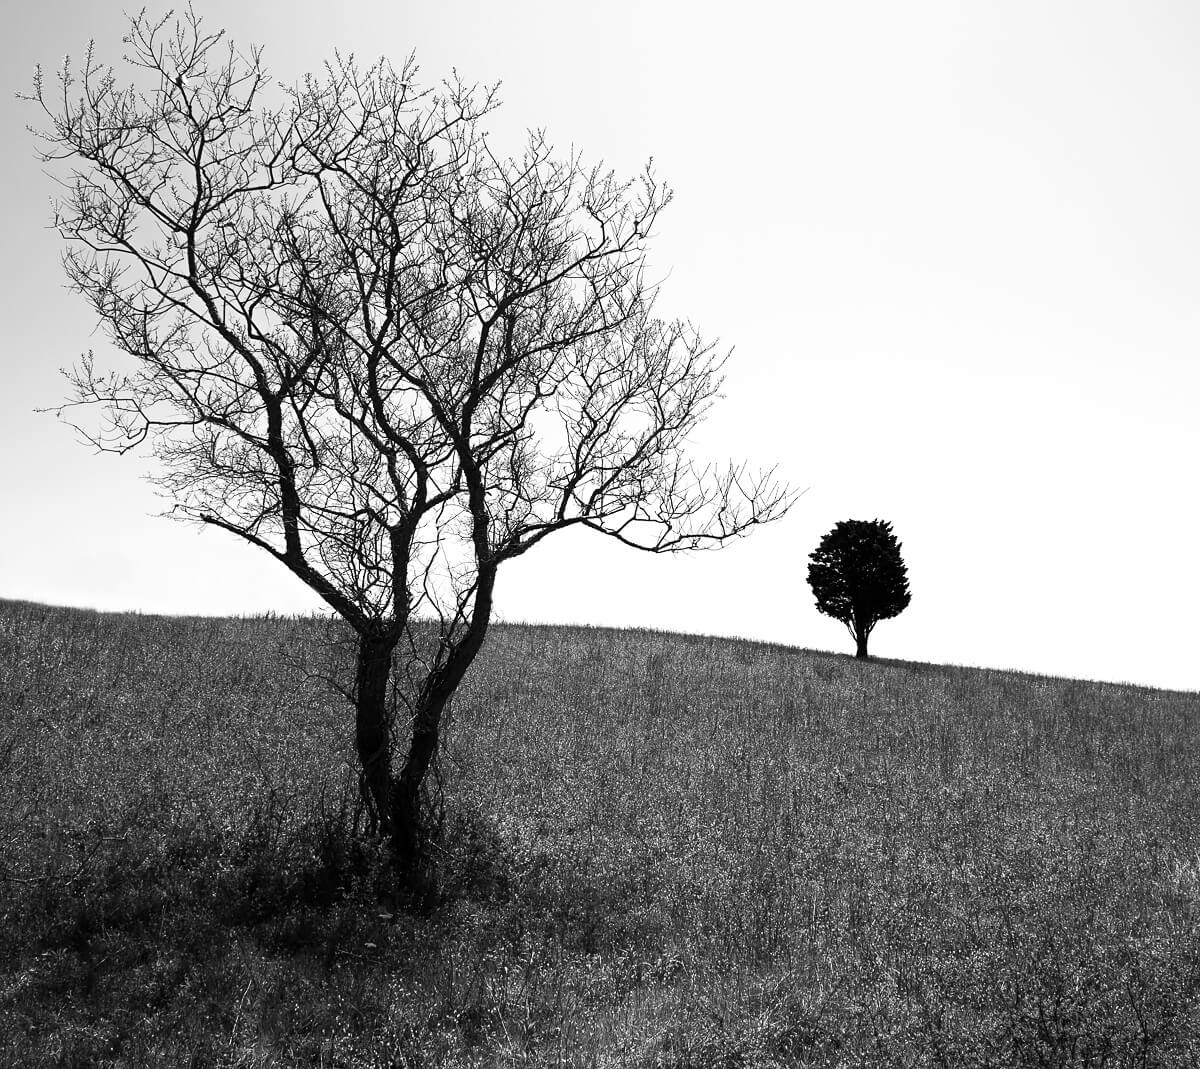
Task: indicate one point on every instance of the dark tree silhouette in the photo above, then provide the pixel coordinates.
(391, 358)
(858, 577)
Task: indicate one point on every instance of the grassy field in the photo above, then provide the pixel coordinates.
(659, 850)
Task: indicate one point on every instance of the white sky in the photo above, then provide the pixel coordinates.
(955, 245)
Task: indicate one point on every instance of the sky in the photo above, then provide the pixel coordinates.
(954, 246)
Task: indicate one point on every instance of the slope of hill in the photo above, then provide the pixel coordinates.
(659, 850)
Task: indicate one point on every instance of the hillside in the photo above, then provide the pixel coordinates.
(659, 850)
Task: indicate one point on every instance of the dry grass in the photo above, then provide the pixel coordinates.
(660, 851)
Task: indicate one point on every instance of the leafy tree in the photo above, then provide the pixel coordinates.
(859, 577)
(378, 350)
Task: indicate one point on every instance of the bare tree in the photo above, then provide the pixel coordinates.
(366, 344)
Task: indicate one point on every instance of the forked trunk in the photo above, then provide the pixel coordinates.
(373, 728)
(409, 833)
(396, 802)
(393, 803)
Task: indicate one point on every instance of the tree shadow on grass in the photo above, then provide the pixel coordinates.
(168, 938)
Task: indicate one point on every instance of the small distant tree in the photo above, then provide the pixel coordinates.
(859, 577)
(387, 356)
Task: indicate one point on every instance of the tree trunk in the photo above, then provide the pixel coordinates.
(408, 831)
(373, 727)
(861, 638)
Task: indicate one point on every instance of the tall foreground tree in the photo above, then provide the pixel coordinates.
(859, 577)
(384, 354)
